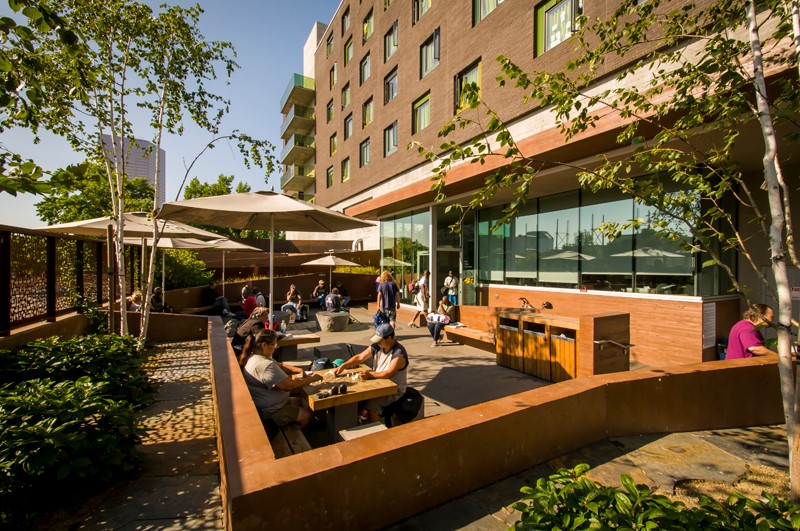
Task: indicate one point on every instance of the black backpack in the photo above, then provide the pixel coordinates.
(405, 408)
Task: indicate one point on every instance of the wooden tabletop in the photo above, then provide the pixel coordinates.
(357, 390)
(298, 339)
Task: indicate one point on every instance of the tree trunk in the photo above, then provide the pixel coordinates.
(777, 252)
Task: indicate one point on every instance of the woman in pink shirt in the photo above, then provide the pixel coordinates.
(745, 339)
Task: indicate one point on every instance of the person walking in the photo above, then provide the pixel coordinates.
(422, 298)
(388, 302)
(451, 287)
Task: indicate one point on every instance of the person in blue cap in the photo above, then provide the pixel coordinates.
(391, 362)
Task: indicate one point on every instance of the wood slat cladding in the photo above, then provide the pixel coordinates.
(659, 341)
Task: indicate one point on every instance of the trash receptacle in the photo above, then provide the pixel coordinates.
(508, 343)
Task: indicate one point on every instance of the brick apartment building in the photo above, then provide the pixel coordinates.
(384, 73)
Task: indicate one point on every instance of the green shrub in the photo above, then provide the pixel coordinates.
(58, 435)
(569, 500)
(103, 358)
(183, 270)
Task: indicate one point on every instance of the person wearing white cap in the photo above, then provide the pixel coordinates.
(391, 362)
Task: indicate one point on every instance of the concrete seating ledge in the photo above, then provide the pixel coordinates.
(422, 464)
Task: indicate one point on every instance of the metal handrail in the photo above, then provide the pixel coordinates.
(602, 343)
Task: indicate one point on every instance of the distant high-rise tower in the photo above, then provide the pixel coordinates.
(141, 162)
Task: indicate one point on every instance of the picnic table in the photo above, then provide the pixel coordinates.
(342, 409)
(287, 345)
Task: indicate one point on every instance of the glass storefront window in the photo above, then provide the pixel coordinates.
(405, 248)
(521, 250)
(558, 236)
(606, 265)
(491, 245)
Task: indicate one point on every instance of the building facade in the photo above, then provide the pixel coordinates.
(387, 73)
(140, 161)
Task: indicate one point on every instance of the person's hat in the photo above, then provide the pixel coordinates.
(383, 331)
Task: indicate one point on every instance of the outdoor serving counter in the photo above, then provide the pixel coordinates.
(558, 348)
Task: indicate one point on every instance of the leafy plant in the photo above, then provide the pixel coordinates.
(570, 500)
(184, 270)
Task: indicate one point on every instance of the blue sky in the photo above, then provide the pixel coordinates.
(269, 38)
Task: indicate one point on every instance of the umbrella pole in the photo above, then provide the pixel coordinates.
(223, 273)
(271, 253)
(163, 291)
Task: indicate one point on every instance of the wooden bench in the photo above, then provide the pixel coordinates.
(480, 326)
(197, 310)
(457, 335)
(289, 441)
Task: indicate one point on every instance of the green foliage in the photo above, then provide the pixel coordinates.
(358, 270)
(98, 318)
(183, 270)
(569, 500)
(67, 418)
(81, 192)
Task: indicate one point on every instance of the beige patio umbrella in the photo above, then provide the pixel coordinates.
(260, 211)
(649, 252)
(222, 244)
(569, 255)
(330, 261)
(136, 224)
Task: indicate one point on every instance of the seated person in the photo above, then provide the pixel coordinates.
(294, 303)
(445, 313)
(319, 293)
(745, 339)
(270, 382)
(157, 303)
(219, 304)
(251, 326)
(249, 304)
(343, 293)
(333, 301)
(391, 361)
(260, 299)
(135, 302)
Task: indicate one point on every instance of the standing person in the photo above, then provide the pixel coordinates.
(270, 382)
(320, 290)
(445, 314)
(745, 339)
(260, 300)
(391, 361)
(388, 302)
(422, 298)
(451, 285)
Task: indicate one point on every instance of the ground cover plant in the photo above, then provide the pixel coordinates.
(570, 500)
(67, 419)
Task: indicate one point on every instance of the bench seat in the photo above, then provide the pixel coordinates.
(458, 335)
(197, 309)
(289, 441)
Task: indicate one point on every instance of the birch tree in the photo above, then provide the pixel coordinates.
(702, 74)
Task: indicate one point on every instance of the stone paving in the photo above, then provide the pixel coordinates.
(179, 488)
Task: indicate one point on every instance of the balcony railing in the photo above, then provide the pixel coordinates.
(298, 120)
(298, 149)
(297, 178)
(300, 90)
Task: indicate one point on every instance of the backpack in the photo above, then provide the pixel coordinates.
(413, 288)
(406, 408)
(231, 326)
(379, 318)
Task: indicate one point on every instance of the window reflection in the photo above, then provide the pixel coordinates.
(608, 268)
(558, 237)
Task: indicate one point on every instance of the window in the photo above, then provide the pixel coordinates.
(346, 170)
(554, 23)
(363, 153)
(366, 113)
(390, 42)
(348, 126)
(390, 86)
(390, 139)
(348, 51)
(333, 144)
(346, 96)
(367, 27)
(329, 112)
(421, 113)
(419, 8)
(345, 21)
(481, 8)
(329, 177)
(364, 70)
(429, 54)
(472, 74)
(329, 46)
(333, 76)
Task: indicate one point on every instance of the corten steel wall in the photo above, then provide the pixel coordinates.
(417, 466)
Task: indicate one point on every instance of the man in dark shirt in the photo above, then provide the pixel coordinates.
(387, 297)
